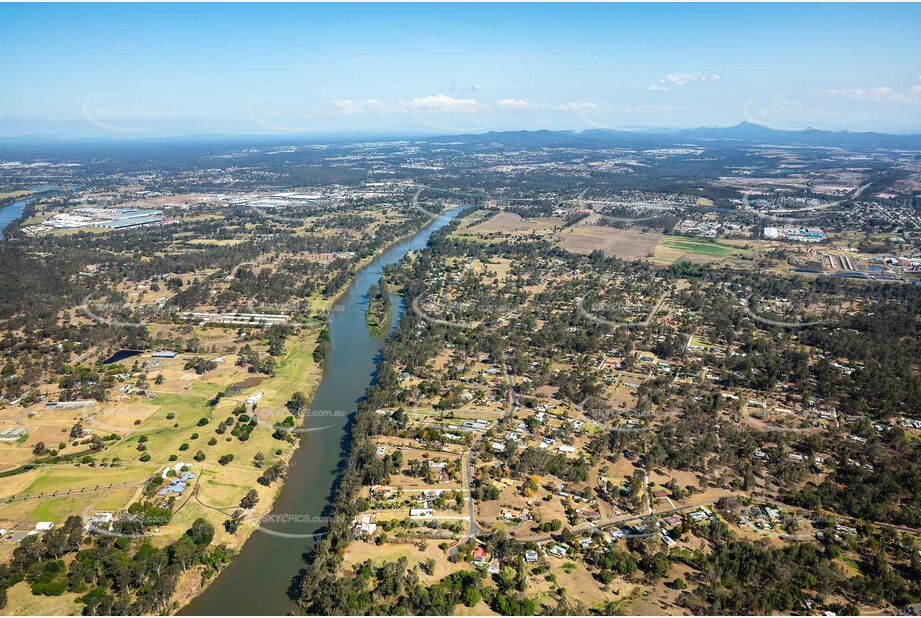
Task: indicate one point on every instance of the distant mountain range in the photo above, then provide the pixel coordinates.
(744, 132)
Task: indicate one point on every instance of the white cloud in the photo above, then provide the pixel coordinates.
(442, 104)
(580, 106)
(435, 104)
(882, 94)
(349, 107)
(682, 79)
(518, 104)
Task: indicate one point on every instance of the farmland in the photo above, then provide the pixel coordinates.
(673, 248)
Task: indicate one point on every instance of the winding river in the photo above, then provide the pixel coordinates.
(258, 580)
(13, 211)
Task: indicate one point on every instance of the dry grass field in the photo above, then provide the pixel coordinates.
(511, 224)
(626, 244)
(9, 194)
(170, 423)
(361, 551)
(20, 596)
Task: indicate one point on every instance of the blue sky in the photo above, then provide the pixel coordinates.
(166, 69)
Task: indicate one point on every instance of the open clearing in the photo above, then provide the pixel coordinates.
(10, 194)
(628, 244)
(509, 223)
(674, 248)
(171, 424)
(625, 244)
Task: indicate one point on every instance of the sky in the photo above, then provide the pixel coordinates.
(150, 70)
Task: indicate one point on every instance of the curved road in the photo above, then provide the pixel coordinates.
(580, 304)
(758, 318)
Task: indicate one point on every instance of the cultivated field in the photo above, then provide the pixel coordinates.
(674, 248)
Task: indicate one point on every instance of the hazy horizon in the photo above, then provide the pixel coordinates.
(321, 70)
(396, 135)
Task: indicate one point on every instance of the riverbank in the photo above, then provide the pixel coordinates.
(12, 209)
(14, 203)
(307, 381)
(192, 583)
(171, 414)
(269, 562)
(320, 575)
(250, 525)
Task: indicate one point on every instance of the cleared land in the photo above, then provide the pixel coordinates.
(7, 194)
(626, 244)
(170, 422)
(512, 224)
(674, 248)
